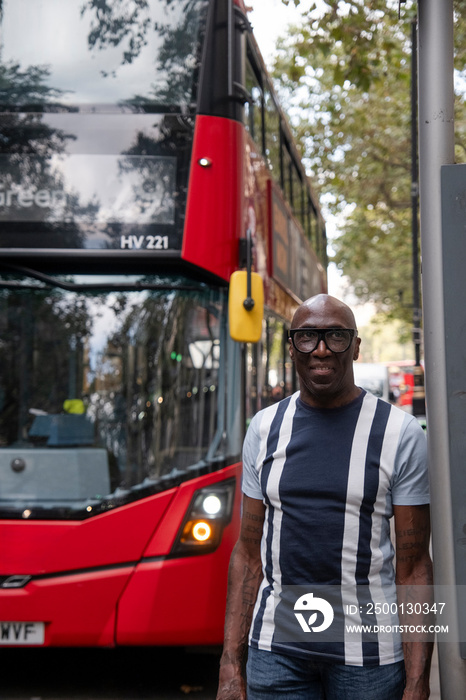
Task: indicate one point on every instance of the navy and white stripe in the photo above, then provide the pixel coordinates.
(329, 479)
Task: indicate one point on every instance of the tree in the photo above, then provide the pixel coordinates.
(346, 74)
(27, 143)
(127, 25)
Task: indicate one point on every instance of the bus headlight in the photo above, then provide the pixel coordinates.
(202, 531)
(208, 513)
(212, 505)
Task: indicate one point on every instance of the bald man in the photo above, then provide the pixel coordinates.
(324, 470)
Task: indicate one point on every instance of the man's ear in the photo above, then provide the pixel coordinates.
(291, 349)
(356, 349)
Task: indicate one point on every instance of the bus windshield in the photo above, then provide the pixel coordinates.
(64, 55)
(108, 395)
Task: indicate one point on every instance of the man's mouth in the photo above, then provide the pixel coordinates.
(322, 369)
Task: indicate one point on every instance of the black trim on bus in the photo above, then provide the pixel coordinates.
(73, 287)
(116, 262)
(221, 86)
(60, 574)
(25, 579)
(90, 509)
(88, 253)
(107, 108)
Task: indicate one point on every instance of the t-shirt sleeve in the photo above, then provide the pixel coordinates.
(411, 479)
(251, 484)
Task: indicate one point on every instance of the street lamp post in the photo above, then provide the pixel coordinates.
(419, 402)
(436, 149)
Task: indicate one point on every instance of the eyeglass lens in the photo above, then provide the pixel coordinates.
(337, 340)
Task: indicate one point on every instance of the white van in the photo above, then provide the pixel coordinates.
(373, 378)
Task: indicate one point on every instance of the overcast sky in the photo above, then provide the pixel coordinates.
(269, 19)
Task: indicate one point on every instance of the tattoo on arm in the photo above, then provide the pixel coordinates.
(251, 534)
(412, 532)
(252, 528)
(248, 600)
(253, 516)
(412, 547)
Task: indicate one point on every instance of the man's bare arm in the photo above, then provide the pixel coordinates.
(244, 578)
(414, 569)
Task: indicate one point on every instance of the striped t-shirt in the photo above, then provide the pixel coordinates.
(329, 479)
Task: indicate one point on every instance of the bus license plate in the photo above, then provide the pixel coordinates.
(23, 633)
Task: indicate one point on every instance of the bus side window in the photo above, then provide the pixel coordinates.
(297, 194)
(272, 134)
(253, 109)
(286, 172)
(251, 380)
(270, 375)
(278, 367)
(310, 221)
(315, 230)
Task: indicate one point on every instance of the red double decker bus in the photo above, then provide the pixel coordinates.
(144, 157)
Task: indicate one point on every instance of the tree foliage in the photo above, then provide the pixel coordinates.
(346, 74)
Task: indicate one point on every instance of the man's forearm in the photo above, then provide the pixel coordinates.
(416, 592)
(414, 579)
(418, 645)
(244, 579)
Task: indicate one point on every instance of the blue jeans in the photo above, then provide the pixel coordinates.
(272, 676)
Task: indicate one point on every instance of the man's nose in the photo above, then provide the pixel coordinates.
(321, 349)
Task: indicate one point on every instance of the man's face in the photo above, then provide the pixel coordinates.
(326, 378)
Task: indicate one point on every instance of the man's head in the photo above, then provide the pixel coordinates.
(325, 371)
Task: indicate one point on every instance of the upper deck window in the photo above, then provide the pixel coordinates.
(253, 108)
(58, 54)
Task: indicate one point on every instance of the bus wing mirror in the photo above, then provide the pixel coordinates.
(246, 307)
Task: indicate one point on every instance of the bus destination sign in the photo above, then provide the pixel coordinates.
(88, 201)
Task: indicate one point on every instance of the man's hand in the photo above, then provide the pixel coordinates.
(419, 694)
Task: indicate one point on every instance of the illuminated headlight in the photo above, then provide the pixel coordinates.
(202, 531)
(209, 511)
(212, 504)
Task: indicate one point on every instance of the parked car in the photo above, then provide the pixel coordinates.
(374, 378)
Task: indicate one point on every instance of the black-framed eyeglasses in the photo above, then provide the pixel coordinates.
(336, 339)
